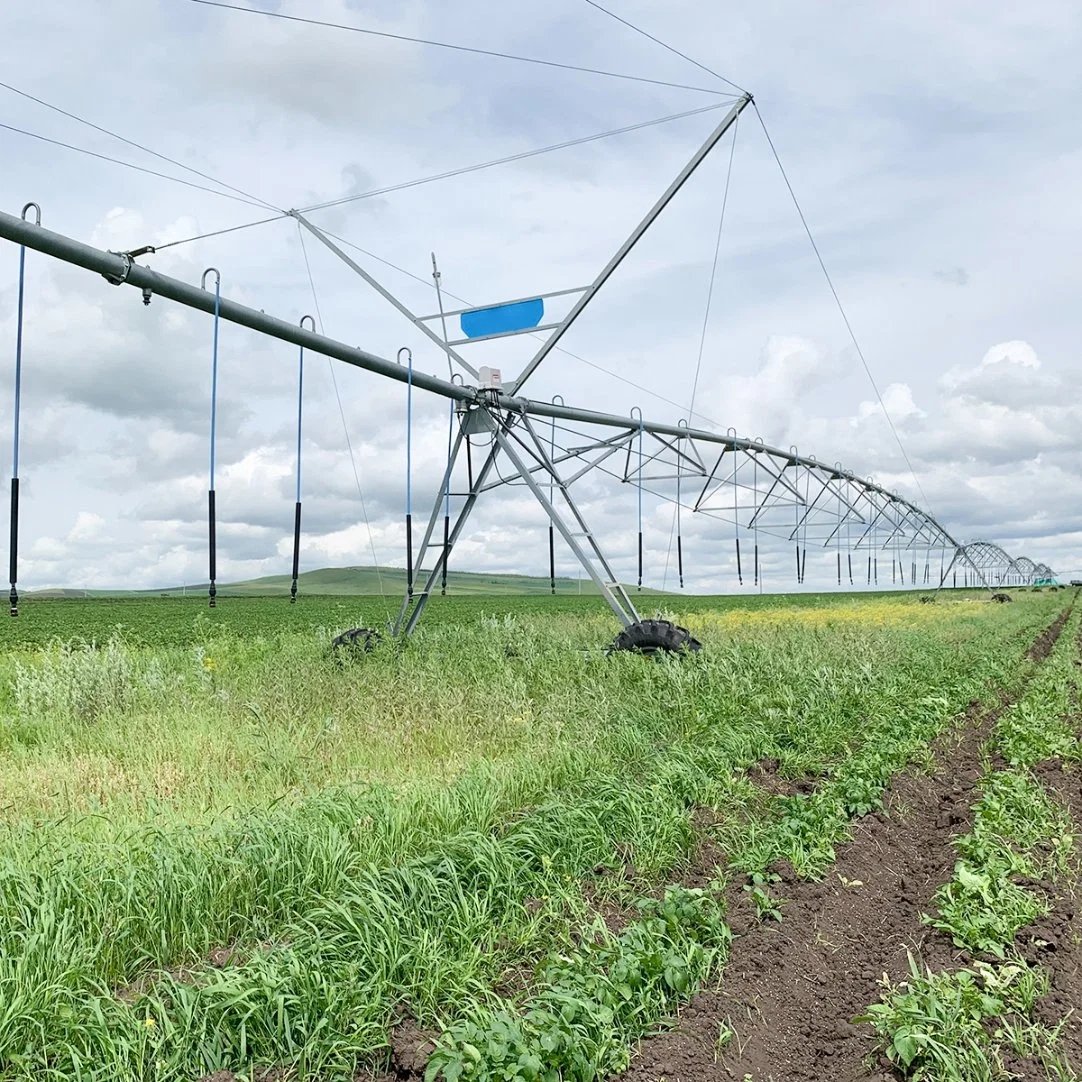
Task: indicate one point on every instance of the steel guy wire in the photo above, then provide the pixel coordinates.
(446, 175)
(133, 143)
(220, 232)
(455, 47)
(129, 165)
(507, 159)
(664, 45)
(841, 308)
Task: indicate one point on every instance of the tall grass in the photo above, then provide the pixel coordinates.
(404, 829)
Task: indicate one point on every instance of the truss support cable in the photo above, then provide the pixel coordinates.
(838, 302)
(508, 159)
(131, 165)
(297, 508)
(462, 48)
(698, 369)
(663, 44)
(212, 539)
(137, 146)
(13, 567)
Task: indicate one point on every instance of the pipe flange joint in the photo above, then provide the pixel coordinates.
(120, 279)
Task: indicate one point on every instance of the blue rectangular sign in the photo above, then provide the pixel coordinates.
(502, 318)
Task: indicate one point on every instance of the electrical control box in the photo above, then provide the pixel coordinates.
(489, 379)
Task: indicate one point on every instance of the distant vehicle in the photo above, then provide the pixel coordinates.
(1076, 582)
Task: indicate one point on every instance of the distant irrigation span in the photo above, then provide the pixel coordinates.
(500, 438)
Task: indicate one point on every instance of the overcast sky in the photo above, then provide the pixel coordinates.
(935, 148)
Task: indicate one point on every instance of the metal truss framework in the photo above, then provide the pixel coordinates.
(548, 447)
(999, 568)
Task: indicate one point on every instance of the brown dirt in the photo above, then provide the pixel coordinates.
(216, 958)
(410, 1048)
(709, 860)
(269, 1074)
(764, 774)
(1042, 645)
(791, 988)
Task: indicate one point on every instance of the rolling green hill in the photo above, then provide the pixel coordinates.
(356, 581)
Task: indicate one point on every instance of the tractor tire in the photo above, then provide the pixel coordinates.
(653, 638)
(356, 640)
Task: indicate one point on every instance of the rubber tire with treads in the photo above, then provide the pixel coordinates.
(654, 637)
(355, 640)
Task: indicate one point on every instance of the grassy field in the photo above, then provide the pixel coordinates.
(152, 620)
(225, 851)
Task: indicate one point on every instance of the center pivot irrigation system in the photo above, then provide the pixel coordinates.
(546, 447)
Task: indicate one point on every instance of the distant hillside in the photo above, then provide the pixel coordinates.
(353, 581)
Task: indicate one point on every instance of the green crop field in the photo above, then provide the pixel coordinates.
(229, 853)
(350, 581)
